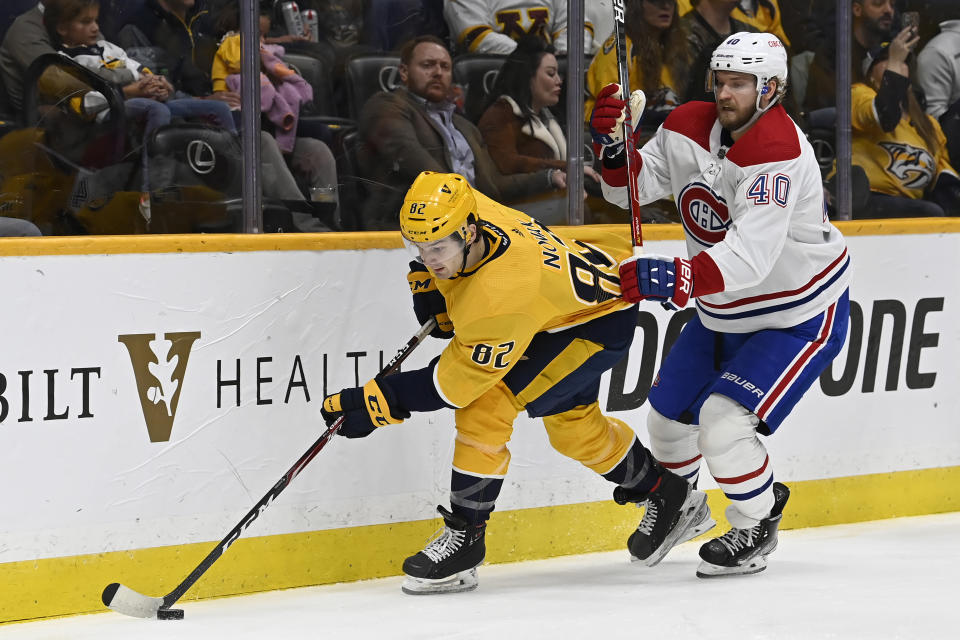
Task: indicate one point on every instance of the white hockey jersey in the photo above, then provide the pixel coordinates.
(754, 213)
(494, 26)
(104, 55)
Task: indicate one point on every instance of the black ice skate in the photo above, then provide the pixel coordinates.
(449, 562)
(675, 512)
(744, 551)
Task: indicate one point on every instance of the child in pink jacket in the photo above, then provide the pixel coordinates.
(282, 90)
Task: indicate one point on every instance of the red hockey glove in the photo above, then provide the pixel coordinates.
(606, 118)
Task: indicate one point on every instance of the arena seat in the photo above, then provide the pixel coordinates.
(476, 73)
(367, 74)
(196, 179)
(352, 191)
(318, 77)
(53, 86)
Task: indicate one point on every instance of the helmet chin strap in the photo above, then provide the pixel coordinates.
(758, 111)
(466, 250)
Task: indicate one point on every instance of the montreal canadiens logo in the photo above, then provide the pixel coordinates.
(703, 213)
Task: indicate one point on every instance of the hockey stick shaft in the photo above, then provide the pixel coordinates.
(623, 72)
(147, 603)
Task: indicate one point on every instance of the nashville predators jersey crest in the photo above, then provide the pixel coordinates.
(898, 162)
(531, 279)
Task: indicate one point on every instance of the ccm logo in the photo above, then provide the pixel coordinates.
(746, 384)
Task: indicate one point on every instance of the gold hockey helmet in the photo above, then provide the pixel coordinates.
(436, 206)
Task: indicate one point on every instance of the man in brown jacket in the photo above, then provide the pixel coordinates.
(415, 128)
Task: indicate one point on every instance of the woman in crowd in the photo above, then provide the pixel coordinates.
(659, 56)
(901, 149)
(520, 131)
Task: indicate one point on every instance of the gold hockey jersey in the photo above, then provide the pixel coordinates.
(532, 279)
(898, 162)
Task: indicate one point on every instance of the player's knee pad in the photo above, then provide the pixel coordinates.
(483, 429)
(671, 441)
(724, 423)
(480, 458)
(588, 436)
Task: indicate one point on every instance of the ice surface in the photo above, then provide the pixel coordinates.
(885, 579)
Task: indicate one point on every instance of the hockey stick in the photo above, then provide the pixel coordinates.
(623, 71)
(129, 602)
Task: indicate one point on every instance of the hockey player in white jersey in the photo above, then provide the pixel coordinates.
(767, 270)
(494, 26)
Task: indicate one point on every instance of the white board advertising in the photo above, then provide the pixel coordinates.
(151, 400)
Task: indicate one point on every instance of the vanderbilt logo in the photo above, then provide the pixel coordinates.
(159, 365)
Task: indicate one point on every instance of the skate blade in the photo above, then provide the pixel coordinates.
(751, 566)
(457, 583)
(691, 533)
(700, 528)
(694, 510)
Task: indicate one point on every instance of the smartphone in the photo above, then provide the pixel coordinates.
(911, 19)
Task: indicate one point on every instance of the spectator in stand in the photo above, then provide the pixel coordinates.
(316, 45)
(872, 26)
(902, 150)
(282, 90)
(802, 24)
(938, 74)
(388, 24)
(520, 131)
(494, 26)
(25, 41)
(707, 24)
(660, 55)
(313, 42)
(763, 15)
(342, 23)
(114, 14)
(415, 129)
(184, 28)
(73, 26)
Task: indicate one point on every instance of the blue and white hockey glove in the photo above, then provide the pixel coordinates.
(658, 278)
(363, 409)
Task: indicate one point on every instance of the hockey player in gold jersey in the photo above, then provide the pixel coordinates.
(534, 318)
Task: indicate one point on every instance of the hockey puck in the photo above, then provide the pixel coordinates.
(170, 614)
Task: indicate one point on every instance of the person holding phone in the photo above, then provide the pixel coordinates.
(873, 22)
(902, 149)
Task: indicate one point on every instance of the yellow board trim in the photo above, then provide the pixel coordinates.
(65, 586)
(209, 243)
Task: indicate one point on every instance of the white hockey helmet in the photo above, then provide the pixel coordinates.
(759, 54)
